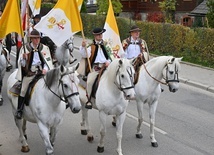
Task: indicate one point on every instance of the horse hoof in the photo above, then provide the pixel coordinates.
(139, 136)
(90, 139)
(100, 149)
(84, 132)
(114, 124)
(154, 144)
(25, 149)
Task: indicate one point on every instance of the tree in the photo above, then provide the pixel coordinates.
(168, 8)
(103, 6)
(210, 13)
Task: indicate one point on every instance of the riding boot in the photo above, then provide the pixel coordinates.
(20, 107)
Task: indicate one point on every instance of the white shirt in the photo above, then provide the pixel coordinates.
(36, 60)
(100, 55)
(133, 50)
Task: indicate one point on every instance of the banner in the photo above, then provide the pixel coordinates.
(111, 36)
(35, 6)
(10, 20)
(61, 22)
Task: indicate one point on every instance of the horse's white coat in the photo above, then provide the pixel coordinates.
(110, 100)
(62, 52)
(148, 90)
(46, 108)
(2, 70)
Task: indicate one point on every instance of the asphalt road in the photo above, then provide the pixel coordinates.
(184, 126)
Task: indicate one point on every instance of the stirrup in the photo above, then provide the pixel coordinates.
(88, 105)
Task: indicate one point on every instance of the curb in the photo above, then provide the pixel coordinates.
(198, 85)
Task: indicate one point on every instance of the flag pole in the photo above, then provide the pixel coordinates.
(89, 64)
(22, 34)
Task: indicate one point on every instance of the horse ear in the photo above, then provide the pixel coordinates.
(62, 69)
(179, 59)
(120, 62)
(171, 60)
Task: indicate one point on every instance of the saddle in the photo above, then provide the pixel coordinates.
(138, 62)
(16, 88)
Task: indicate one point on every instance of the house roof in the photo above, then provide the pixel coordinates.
(200, 10)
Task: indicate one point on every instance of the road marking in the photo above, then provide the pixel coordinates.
(145, 123)
(13, 53)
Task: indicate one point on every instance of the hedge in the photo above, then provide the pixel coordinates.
(195, 45)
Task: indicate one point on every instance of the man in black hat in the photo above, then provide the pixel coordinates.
(134, 46)
(33, 58)
(97, 54)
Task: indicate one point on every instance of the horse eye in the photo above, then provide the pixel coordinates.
(65, 85)
(122, 76)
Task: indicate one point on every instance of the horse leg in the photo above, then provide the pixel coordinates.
(53, 133)
(44, 133)
(90, 136)
(84, 122)
(20, 125)
(152, 110)
(102, 117)
(24, 128)
(1, 98)
(140, 119)
(120, 121)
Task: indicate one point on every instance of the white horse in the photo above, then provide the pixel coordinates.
(3, 64)
(114, 90)
(45, 106)
(63, 53)
(148, 88)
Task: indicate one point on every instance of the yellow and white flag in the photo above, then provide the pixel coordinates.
(10, 20)
(79, 4)
(61, 22)
(35, 6)
(111, 36)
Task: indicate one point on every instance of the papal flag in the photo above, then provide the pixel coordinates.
(10, 20)
(79, 4)
(111, 36)
(35, 6)
(61, 22)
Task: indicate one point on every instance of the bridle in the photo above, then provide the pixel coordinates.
(119, 85)
(176, 79)
(64, 98)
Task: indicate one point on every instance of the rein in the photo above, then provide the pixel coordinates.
(65, 97)
(119, 86)
(166, 79)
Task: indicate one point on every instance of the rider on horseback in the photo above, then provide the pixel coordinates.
(33, 57)
(97, 54)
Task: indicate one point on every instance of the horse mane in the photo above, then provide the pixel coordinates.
(52, 77)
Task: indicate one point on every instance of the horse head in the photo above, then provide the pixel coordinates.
(170, 73)
(124, 77)
(67, 82)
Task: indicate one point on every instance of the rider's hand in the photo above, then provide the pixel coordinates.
(44, 71)
(107, 63)
(84, 43)
(24, 56)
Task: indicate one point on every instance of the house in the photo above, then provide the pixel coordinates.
(141, 9)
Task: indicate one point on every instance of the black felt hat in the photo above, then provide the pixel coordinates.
(98, 31)
(34, 34)
(134, 28)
